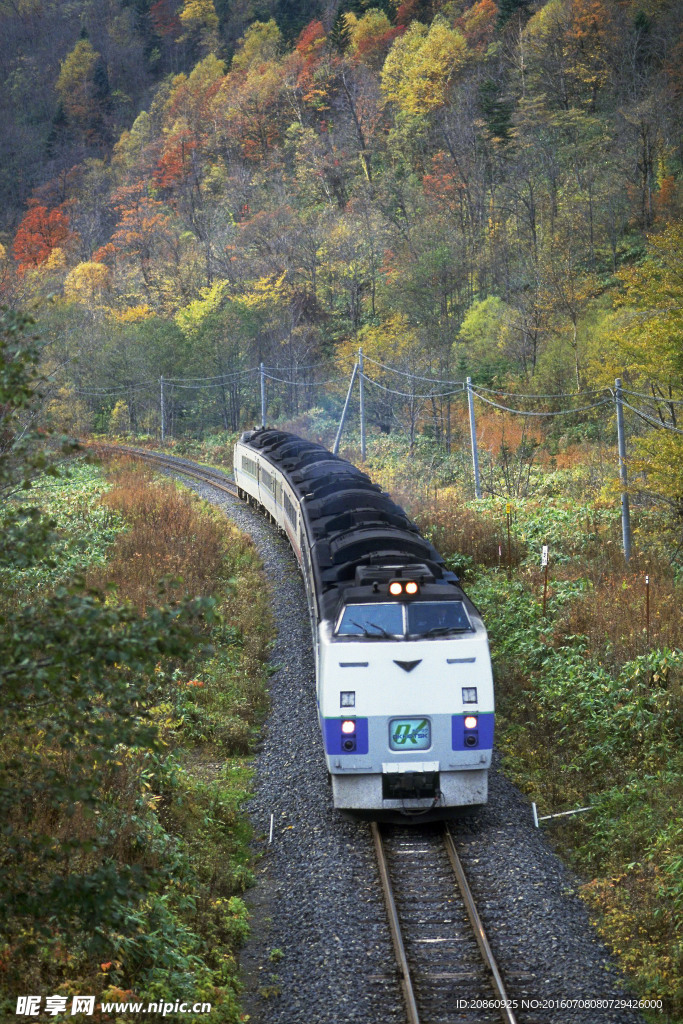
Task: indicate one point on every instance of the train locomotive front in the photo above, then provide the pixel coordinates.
(403, 672)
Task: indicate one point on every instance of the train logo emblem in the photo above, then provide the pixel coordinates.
(410, 734)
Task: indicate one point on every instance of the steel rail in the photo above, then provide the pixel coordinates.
(395, 927)
(506, 1013)
(206, 475)
(485, 950)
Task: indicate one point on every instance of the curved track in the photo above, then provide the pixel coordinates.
(447, 969)
(206, 474)
(544, 943)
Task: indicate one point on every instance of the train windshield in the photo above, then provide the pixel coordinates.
(371, 620)
(435, 618)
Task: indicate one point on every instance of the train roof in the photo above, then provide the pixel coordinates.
(350, 522)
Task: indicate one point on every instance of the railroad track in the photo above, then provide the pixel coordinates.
(447, 969)
(207, 475)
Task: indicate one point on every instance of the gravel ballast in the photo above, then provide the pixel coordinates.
(320, 952)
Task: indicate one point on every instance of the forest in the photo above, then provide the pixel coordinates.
(463, 189)
(194, 189)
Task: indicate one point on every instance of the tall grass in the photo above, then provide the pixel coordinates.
(165, 537)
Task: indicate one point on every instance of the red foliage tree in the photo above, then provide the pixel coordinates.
(165, 20)
(41, 231)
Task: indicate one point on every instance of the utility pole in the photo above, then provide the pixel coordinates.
(335, 450)
(163, 411)
(263, 396)
(625, 511)
(362, 406)
(473, 439)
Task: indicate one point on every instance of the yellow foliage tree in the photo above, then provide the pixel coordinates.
(644, 345)
(76, 81)
(119, 421)
(87, 283)
(366, 35)
(199, 14)
(201, 23)
(68, 413)
(260, 44)
(133, 314)
(421, 65)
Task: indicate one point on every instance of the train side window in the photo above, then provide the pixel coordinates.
(249, 466)
(289, 510)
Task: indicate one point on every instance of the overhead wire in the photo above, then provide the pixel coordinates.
(303, 383)
(407, 394)
(653, 398)
(413, 376)
(218, 376)
(515, 394)
(530, 412)
(200, 387)
(306, 366)
(125, 389)
(650, 419)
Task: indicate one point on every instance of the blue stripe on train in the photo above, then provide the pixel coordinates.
(334, 736)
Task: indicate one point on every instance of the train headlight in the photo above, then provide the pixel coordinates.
(412, 587)
(348, 737)
(395, 588)
(470, 721)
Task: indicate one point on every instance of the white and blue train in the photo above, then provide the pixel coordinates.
(403, 671)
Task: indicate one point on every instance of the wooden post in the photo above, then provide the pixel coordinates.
(647, 609)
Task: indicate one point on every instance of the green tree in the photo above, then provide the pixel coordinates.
(649, 339)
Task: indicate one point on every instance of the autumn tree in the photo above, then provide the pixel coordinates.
(88, 282)
(83, 89)
(145, 242)
(648, 332)
(200, 23)
(40, 231)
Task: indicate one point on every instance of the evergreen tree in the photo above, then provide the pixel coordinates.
(339, 37)
(506, 9)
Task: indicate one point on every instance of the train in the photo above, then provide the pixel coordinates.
(404, 684)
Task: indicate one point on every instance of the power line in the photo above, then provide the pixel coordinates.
(653, 398)
(515, 394)
(528, 412)
(218, 376)
(414, 376)
(303, 383)
(125, 389)
(408, 394)
(200, 387)
(654, 422)
(307, 366)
